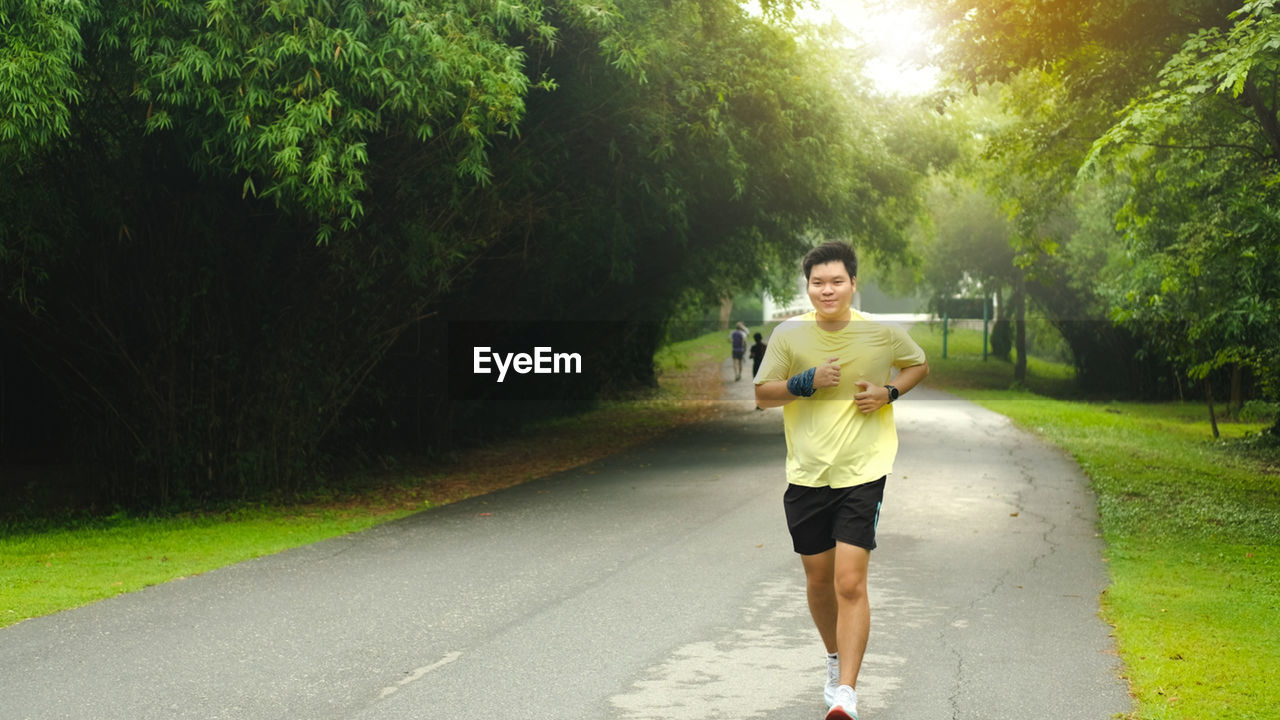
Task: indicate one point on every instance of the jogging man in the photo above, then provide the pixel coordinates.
(831, 368)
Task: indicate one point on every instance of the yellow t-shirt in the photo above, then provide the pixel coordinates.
(830, 443)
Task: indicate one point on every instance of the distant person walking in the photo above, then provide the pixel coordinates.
(831, 369)
(757, 354)
(739, 340)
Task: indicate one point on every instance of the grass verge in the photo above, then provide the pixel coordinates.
(1192, 528)
(47, 568)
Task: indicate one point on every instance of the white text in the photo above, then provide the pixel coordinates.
(542, 362)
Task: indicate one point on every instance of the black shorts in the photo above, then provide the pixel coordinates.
(818, 517)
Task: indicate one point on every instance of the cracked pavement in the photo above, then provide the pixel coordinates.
(989, 539)
(654, 585)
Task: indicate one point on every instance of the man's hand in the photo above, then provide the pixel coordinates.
(870, 398)
(828, 375)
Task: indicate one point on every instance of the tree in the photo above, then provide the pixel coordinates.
(969, 246)
(238, 236)
(1201, 152)
(745, 139)
(169, 170)
(1070, 66)
(985, 233)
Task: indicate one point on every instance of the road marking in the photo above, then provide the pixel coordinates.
(419, 673)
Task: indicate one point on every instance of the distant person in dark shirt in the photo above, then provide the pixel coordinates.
(757, 354)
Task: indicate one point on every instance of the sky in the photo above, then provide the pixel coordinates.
(894, 34)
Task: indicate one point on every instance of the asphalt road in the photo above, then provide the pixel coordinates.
(654, 585)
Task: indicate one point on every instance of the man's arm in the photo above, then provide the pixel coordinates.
(773, 394)
(909, 377)
(776, 393)
(872, 398)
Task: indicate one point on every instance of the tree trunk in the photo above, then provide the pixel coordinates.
(1267, 121)
(1208, 398)
(1020, 329)
(1237, 391)
(726, 309)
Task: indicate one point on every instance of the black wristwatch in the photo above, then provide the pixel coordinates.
(893, 392)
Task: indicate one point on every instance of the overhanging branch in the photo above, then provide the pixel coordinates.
(1266, 116)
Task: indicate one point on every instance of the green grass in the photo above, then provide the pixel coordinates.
(1192, 529)
(45, 571)
(964, 367)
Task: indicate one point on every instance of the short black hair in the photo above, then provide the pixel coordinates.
(831, 251)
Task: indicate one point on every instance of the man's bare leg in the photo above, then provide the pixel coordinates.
(820, 586)
(853, 623)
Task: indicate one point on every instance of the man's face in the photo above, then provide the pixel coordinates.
(831, 290)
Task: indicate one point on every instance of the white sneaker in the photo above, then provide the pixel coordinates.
(846, 705)
(833, 680)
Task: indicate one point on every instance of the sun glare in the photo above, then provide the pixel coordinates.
(896, 39)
